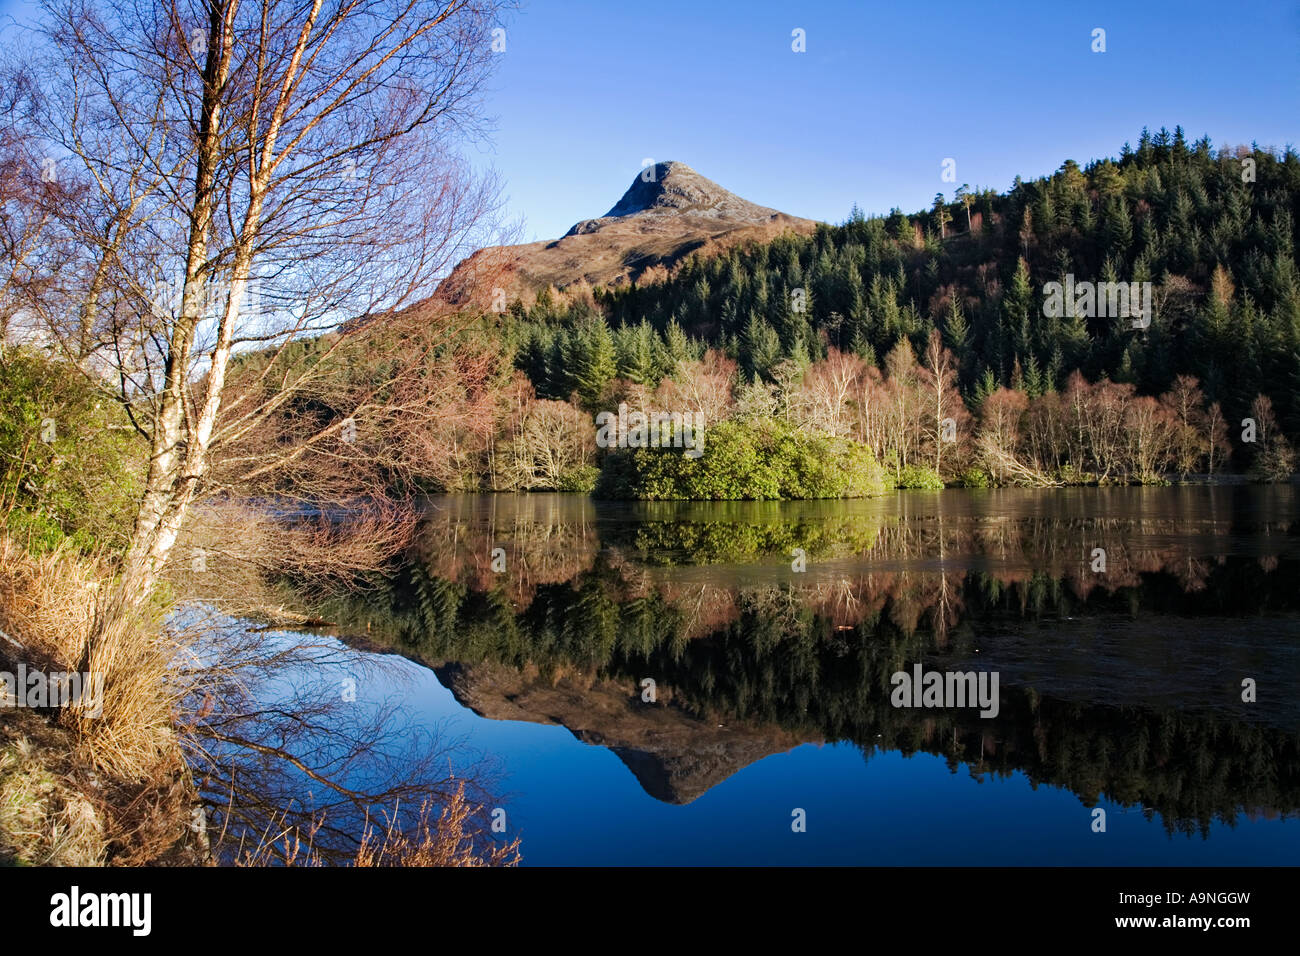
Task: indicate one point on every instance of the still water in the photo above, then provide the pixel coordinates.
(687, 683)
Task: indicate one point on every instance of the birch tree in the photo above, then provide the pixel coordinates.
(256, 172)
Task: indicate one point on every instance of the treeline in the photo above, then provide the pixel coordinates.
(837, 426)
(912, 417)
(1214, 231)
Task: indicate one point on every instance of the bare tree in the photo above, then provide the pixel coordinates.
(1001, 413)
(1216, 429)
(705, 387)
(1187, 404)
(904, 402)
(943, 402)
(257, 173)
(827, 391)
(30, 195)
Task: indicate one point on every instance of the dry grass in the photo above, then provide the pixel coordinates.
(447, 842)
(56, 608)
(48, 603)
(44, 819)
(134, 737)
(106, 786)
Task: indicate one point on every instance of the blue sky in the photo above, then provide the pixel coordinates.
(588, 89)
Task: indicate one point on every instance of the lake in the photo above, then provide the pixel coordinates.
(714, 683)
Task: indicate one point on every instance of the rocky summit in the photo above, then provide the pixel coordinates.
(668, 212)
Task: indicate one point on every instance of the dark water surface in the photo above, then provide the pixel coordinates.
(1119, 688)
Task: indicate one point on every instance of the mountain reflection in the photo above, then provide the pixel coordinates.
(1124, 682)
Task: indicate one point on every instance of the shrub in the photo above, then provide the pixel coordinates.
(1275, 463)
(974, 478)
(582, 478)
(919, 476)
(70, 466)
(757, 460)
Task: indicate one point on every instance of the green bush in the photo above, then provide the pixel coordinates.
(70, 464)
(974, 478)
(759, 460)
(582, 478)
(919, 476)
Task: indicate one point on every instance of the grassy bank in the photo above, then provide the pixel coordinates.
(81, 785)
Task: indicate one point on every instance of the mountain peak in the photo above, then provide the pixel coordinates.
(674, 189)
(669, 212)
(669, 185)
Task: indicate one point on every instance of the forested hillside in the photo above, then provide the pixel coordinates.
(1221, 250)
(1213, 230)
(922, 337)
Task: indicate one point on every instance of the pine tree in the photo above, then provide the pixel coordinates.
(635, 353)
(590, 359)
(863, 348)
(1017, 303)
(985, 386)
(900, 226)
(1125, 372)
(956, 333)
(760, 348)
(677, 347)
(1033, 377)
(534, 359)
(1117, 228)
(941, 215)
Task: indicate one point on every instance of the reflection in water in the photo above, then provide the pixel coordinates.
(1122, 624)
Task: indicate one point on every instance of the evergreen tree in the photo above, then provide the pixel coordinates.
(677, 346)
(760, 349)
(590, 360)
(1033, 377)
(985, 386)
(956, 333)
(941, 215)
(634, 347)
